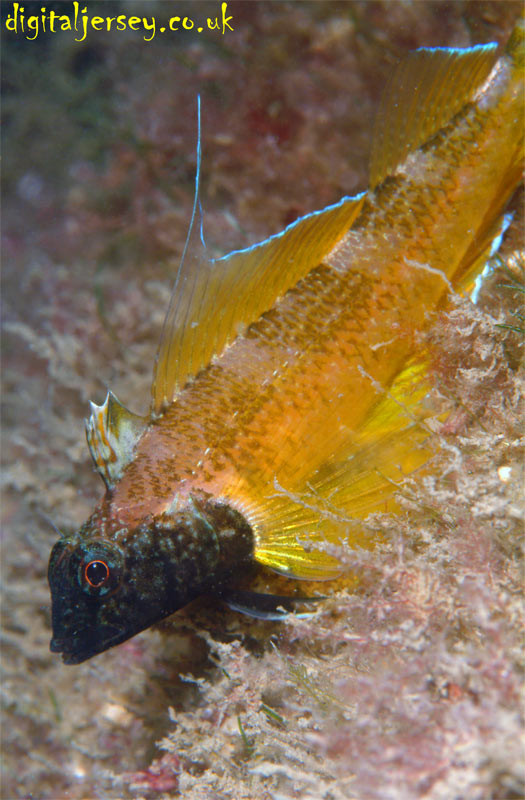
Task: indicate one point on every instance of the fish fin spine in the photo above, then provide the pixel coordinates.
(112, 432)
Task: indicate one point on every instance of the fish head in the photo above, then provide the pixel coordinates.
(103, 593)
(88, 598)
(108, 583)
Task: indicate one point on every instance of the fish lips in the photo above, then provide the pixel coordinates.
(81, 646)
(82, 627)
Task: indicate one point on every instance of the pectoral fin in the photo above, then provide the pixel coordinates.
(360, 479)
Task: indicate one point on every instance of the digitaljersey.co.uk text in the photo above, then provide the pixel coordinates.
(79, 21)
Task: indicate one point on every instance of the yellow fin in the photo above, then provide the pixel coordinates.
(476, 262)
(515, 48)
(364, 479)
(112, 433)
(425, 91)
(386, 449)
(214, 301)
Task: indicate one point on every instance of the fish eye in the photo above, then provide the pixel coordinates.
(99, 568)
(96, 573)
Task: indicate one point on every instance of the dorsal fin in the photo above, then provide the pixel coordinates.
(214, 301)
(112, 433)
(425, 91)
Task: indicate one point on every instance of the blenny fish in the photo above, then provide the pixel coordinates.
(289, 387)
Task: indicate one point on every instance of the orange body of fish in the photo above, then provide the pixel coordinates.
(289, 386)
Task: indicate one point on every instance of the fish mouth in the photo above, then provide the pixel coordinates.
(74, 652)
(70, 655)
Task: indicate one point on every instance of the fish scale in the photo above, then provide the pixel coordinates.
(289, 398)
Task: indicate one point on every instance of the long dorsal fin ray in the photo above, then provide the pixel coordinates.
(213, 301)
(426, 90)
(112, 433)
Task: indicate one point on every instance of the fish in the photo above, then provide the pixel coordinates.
(289, 396)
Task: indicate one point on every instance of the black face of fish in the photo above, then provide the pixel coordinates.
(89, 603)
(101, 597)
(103, 592)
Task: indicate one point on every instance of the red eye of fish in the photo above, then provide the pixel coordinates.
(96, 573)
